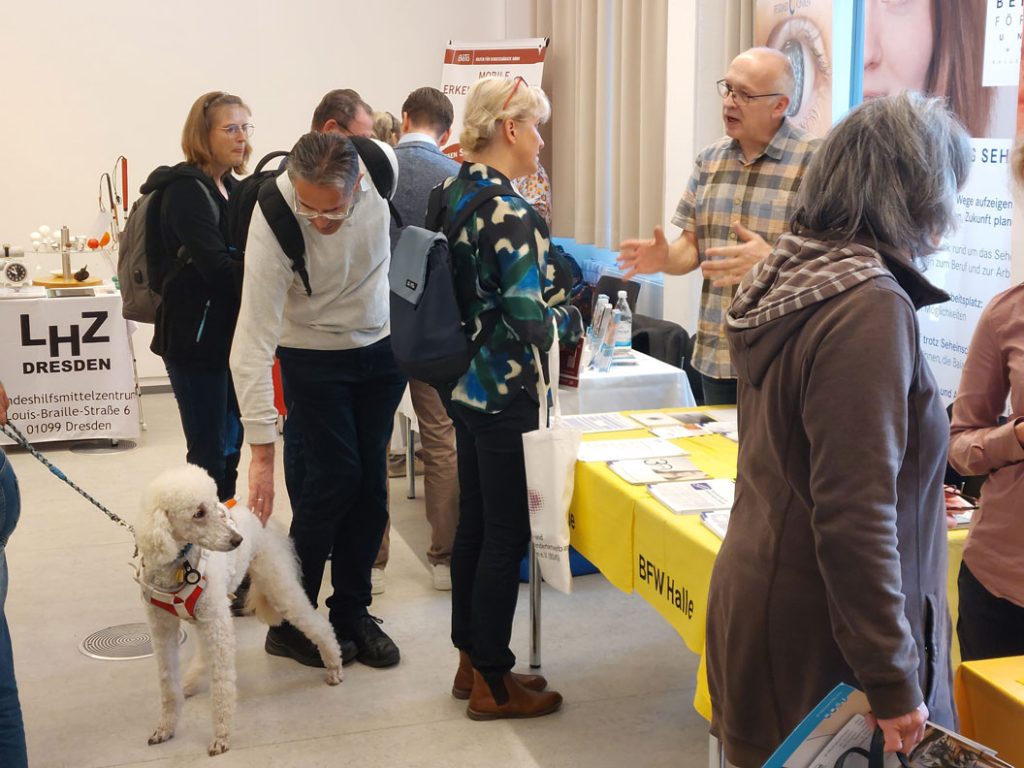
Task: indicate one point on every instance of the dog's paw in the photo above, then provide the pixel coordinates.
(218, 747)
(333, 676)
(161, 734)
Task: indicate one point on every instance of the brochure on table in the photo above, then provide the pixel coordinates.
(839, 724)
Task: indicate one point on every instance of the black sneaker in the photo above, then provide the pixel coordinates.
(375, 648)
(238, 600)
(286, 640)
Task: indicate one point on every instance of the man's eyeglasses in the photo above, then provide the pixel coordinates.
(741, 97)
(305, 212)
(234, 129)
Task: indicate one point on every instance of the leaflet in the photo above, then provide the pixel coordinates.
(717, 521)
(588, 423)
(614, 450)
(838, 725)
(695, 496)
(660, 470)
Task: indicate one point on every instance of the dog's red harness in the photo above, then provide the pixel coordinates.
(182, 602)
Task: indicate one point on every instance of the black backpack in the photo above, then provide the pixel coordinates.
(427, 336)
(261, 188)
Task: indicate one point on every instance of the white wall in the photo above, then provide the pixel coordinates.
(84, 83)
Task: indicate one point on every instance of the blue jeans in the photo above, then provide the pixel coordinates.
(13, 753)
(341, 407)
(210, 420)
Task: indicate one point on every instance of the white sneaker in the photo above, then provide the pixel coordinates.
(377, 581)
(442, 576)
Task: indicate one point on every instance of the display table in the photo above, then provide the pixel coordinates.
(67, 367)
(990, 700)
(641, 546)
(649, 383)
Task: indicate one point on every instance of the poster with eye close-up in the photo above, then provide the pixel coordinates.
(803, 30)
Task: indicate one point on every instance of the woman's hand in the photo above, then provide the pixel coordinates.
(905, 732)
(1018, 430)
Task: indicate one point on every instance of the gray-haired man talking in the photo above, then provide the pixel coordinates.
(342, 382)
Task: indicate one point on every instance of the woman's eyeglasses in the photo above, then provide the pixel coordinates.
(234, 129)
(519, 81)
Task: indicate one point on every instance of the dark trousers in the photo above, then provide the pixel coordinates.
(988, 627)
(210, 420)
(493, 532)
(341, 409)
(13, 753)
(718, 391)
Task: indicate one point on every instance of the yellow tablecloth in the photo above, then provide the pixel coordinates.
(990, 699)
(640, 545)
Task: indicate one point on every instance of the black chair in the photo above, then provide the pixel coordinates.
(610, 285)
(670, 343)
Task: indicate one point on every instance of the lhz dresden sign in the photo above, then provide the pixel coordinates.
(68, 339)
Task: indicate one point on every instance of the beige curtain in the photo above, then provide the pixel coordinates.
(605, 74)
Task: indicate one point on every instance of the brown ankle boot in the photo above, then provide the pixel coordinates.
(522, 702)
(463, 684)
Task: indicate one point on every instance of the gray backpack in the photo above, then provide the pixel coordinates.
(143, 264)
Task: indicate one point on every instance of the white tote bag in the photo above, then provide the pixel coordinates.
(550, 454)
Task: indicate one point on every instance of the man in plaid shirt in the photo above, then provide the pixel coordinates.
(736, 205)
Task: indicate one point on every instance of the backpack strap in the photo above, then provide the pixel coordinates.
(281, 218)
(382, 173)
(472, 204)
(182, 258)
(267, 158)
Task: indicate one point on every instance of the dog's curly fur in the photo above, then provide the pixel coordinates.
(180, 507)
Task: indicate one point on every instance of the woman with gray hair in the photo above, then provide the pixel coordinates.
(834, 568)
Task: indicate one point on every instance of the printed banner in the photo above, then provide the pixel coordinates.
(465, 63)
(1003, 24)
(904, 50)
(803, 31)
(67, 368)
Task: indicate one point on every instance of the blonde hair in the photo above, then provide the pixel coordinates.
(493, 100)
(386, 128)
(195, 136)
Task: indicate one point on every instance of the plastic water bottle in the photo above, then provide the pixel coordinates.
(607, 351)
(624, 328)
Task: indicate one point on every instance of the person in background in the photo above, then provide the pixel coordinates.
(13, 752)
(341, 383)
(386, 128)
(736, 205)
(834, 565)
(536, 190)
(510, 288)
(991, 581)
(426, 124)
(200, 281)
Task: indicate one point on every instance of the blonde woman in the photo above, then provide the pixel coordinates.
(510, 286)
(200, 280)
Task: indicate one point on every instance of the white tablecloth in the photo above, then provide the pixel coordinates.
(648, 384)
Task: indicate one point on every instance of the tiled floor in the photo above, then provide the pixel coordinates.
(626, 676)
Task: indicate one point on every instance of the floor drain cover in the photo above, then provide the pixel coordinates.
(102, 446)
(125, 641)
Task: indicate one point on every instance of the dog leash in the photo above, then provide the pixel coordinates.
(15, 434)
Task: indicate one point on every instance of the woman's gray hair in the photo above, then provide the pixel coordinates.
(324, 159)
(889, 171)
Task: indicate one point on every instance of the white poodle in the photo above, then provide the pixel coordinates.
(194, 552)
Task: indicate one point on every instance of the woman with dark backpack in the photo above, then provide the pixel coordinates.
(512, 290)
(199, 278)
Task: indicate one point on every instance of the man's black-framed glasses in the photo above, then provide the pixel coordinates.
(742, 97)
